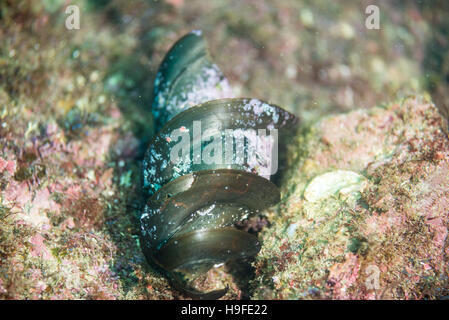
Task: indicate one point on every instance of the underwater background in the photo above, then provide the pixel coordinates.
(365, 199)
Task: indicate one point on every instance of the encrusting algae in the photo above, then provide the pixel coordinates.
(75, 123)
(369, 222)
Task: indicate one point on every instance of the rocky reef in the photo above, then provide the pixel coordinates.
(365, 195)
(366, 210)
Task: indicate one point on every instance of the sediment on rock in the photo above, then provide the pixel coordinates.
(366, 210)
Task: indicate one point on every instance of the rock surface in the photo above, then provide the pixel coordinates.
(366, 210)
(75, 121)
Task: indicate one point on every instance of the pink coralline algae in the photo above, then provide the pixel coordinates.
(39, 248)
(75, 119)
(385, 238)
(9, 166)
